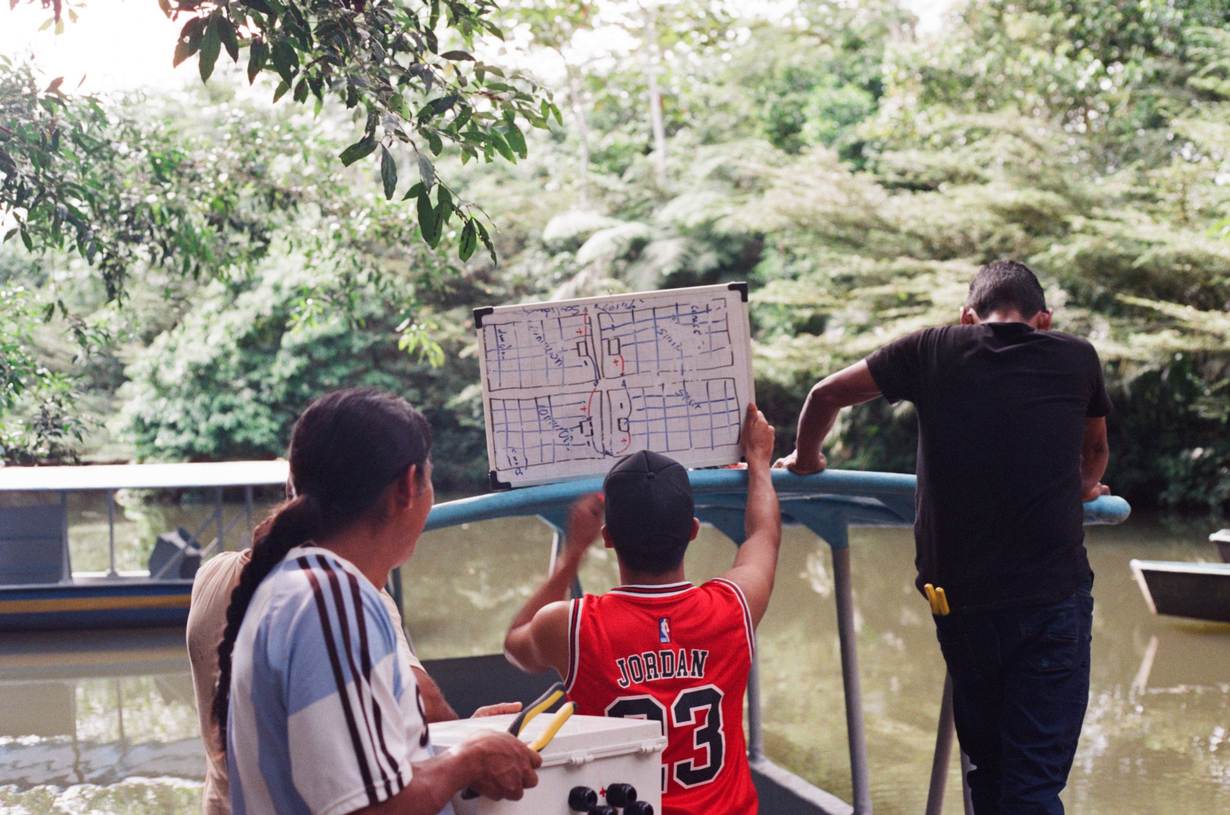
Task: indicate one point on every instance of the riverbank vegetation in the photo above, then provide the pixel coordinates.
(854, 169)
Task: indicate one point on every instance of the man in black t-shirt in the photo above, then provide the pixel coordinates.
(1011, 439)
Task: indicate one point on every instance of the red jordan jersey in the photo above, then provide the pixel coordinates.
(679, 654)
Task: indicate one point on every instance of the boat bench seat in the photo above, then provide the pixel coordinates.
(32, 545)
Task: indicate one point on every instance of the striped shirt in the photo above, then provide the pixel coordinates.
(324, 717)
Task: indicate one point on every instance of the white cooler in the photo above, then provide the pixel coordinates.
(588, 751)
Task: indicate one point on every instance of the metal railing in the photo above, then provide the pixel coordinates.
(827, 504)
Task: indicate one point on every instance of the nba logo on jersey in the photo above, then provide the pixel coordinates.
(664, 629)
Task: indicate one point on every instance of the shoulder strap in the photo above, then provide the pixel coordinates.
(748, 628)
(574, 641)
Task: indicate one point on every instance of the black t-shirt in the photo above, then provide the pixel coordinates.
(1001, 418)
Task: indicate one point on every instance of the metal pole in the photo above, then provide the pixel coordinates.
(944, 732)
(755, 739)
(247, 510)
(966, 798)
(111, 533)
(64, 555)
(218, 519)
(859, 777)
(557, 549)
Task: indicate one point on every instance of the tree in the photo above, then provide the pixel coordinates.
(671, 32)
(381, 58)
(553, 24)
(37, 421)
(122, 193)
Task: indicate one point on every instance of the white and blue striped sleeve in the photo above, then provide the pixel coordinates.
(344, 689)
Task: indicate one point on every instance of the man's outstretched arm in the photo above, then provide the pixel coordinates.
(756, 561)
(537, 638)
(849, 386)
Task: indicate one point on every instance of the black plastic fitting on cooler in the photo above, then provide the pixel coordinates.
(639, 808)
(620, 795)
(602, 809)
(582, 799)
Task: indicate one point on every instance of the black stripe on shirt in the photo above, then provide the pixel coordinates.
(748, 627)
(360, 683)
(365, 657)
(574, 645)
(331, 646)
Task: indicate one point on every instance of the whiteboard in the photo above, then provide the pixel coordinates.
(571, 386)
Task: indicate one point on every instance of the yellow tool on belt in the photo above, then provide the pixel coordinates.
(938, 600)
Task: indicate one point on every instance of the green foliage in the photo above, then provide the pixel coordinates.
(382, 59)
(125, 193)
(855, 172)
(230, 378)
(37, 418)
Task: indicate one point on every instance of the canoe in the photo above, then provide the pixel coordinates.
(1198, 591)
(1222, 539)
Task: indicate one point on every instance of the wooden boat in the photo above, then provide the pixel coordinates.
(1198, 591)
(1222, 540)
(39, 589)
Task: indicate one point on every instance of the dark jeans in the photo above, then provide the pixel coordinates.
(1020, 681)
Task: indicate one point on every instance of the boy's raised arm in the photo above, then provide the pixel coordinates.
(537, 637)
(756, 562)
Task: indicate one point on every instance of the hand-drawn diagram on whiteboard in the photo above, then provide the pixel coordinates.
(570, 386)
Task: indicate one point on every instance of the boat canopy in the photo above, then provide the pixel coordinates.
(143, 476)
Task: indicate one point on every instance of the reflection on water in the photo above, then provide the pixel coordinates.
(113, 729)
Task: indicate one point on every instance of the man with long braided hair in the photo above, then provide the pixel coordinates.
(317, 712)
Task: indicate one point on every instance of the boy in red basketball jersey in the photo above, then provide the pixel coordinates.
(658, 647)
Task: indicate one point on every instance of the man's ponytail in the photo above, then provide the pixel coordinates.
(292, 524)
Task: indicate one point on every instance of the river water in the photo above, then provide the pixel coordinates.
(106, 723)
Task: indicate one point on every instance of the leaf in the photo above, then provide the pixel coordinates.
(444, 205)
(280, 91)
(226, 33)
(434, 142)
(182, 52)
(301, 90)
(428, 224)
(427, 170)
(486, 239)
(388, 172)
(211, 46)
(363, 147)
(416, 188)
(497, 141)
(285, 60)
(189, 39)
(437, 106)
(458, 56)
(516, 140)
(469, 241)
(55, 84)
(258, 55)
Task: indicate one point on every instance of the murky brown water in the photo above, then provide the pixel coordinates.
(111, 728)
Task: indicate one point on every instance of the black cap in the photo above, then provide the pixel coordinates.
(648, 502)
